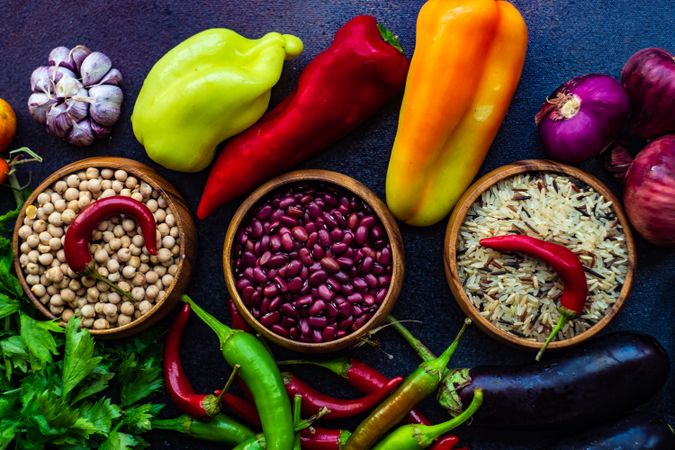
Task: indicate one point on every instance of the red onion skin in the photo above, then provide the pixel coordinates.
(649, 192)
(603, 108)
(649, 80)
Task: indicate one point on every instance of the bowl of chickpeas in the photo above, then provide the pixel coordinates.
(154, 283)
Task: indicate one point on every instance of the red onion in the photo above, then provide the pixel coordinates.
(649, 192)
(649, 80)
(582, 117)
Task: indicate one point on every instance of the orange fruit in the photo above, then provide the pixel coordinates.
(7, 125)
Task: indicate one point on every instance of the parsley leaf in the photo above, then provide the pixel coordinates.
(78, 360)
(138, 379)
(37, 337)
(119, 441)
(100, 414)
(139, 418)
(8, 306)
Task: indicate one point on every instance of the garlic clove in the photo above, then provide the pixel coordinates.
(68, 87)
(114, 77)
(60, 56)
(58, 122)
(38, 105)
(40, 80)
(107, 102)
(99, 130)
(94, 67)
(78, 54)
(56, 74)
(81, 134)
(78, 107)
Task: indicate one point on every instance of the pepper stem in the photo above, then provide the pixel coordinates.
(421, 349)
(222, 331)
(229, 381)
(389, 37)
(444, 359)
(90, 272)
(564, 317)
(433, 432)
(339, 366)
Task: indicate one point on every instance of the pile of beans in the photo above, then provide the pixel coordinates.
(117, 247)
(312, 262)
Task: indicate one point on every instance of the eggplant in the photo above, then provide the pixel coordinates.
(633, 432)
(607, 378)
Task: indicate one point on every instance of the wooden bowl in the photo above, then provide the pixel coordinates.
(380, 209)
(457, 219)
(186, 233)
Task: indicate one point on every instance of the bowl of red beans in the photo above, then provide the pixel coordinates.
(313, 260)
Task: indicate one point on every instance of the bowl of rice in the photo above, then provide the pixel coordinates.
(514, 297)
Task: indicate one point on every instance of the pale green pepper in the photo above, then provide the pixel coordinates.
(209, 87)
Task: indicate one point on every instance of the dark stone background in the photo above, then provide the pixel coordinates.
(567, 38)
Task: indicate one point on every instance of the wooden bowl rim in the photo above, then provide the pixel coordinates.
(133, 167)
(457, 219)
(364, 193)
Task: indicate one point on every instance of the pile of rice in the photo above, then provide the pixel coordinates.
(520, 294)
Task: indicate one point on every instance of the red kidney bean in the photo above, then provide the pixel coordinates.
(289, 311)
(305, 329)
(247, 292)
(384, 280)
(332, 310)
(377, 269)
(270, 290)
(340, 334)
(295, 212)
(287, 322)
(280, 330)
(286, 202)
(371, 280)
(324, 238)
(360, 284)
(353, 221)
(356, 310)
(256, 297)
(317, 321)
(313, 238)
(257, 229)
(287, 242)
(346, 323)
(355, 298)
(293, 268)
(259, 275)
(347, 289)
(377, 232)
(270, 318)
(277, 260)
(345, 309)
(318, 252)
(318, 277)
(330, 220)
(333, 284)
(342, 278)
(305, 256)
(345, 263)
(368, 300)
(264, 258)
(306, 199)
(328, 333)
(336, 235)
(325, 293)
(288, 221)
(366, 265)
(317, 308)
(359, 322)
(294, 285)
(294, 333)
(314, 210)
(380, 295)
(339, 248)
(275, 243)
(264, 212)
(299, 233)
(330, 264)
(368, 221)
(304, 301)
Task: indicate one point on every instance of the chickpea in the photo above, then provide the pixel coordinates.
(32, 269)
(146, 190)
(43, 198)
(138, 293)
(144, 268)
(39, 226)
(160, 215)
(56, 310)
(98, 307)
(46, 259)
(160, 270)
(91, 172)
(161, 201)
(127, 308)
(135, 262)
(101, 256)
(115, 244)
(101, 324)
(117, 186)
(68, 216)
(39, 290)
(23, 259)
(164, 255)
(103, 288)
(114, 277)
(67, 295)
(55, 244)
(102, 270)
(109, 309)
(33, 256)
(128, 271)
(54, 274)
(94, 186)
(137, 196)
(113, 265)
(138, 280)
(107, 193)
(114, 298)
(152, 292)
(44, 237)
(162, 230)
(43, 248)
(74, 284)
(118, 231)
(44, 300)
(124, 286)
(104, 296)
(93, 293)
(33, 240)
(123, 320)
(145, 257)
(88, 282)
(67, 314)
(71, 194)
(88, 311)
(167, 280)
(87, 323)
(124, 255)
(107, 173)
(125, 192)
(121, 175)
(126, 241)
(73, 205)
(84, 200)
(170, 220)
(82, 175)
(135, 251)
(55, 231)
(84, 186)
(138, 240)
(128, 225)
(106, 184)
(144, 306)
(151, 277)
(60, 205)
(174, 232)
(25, 231)
(61, 186)
(152, 205)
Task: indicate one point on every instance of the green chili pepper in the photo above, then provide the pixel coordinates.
(209, 87)
(419, 385)
(261, 375)
(219, 429)
(415, 436)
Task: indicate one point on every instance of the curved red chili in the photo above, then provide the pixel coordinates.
(200, 406)
(446, 443)
(316, 438)
(78, 235)
(566, 264)
(236, 319)
(314, 401)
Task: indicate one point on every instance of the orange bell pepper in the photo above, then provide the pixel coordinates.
(464, 71)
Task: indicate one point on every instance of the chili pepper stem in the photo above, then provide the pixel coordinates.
(297, 407)
(421, 349)
(222, 331)
(444, 358)
(433, 432)
(91, 272)
(16, 189)
(229, 381)
(565, 316)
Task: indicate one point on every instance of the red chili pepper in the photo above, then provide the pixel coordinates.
(315, 438)
(241, 407)
(314, 401)
(364, 378)
(236, 319)
(339, 89)
(446, 443)
(78, 236)
(563, 261)
(200, 406)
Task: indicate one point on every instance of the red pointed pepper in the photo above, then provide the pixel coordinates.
(340, 88)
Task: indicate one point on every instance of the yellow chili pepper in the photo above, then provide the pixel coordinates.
(465, 69)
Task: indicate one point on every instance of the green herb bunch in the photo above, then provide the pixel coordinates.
(59, 387)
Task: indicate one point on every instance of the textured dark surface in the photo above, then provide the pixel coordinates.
(567, 38)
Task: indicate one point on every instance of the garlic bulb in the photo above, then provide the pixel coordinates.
(77, 96)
